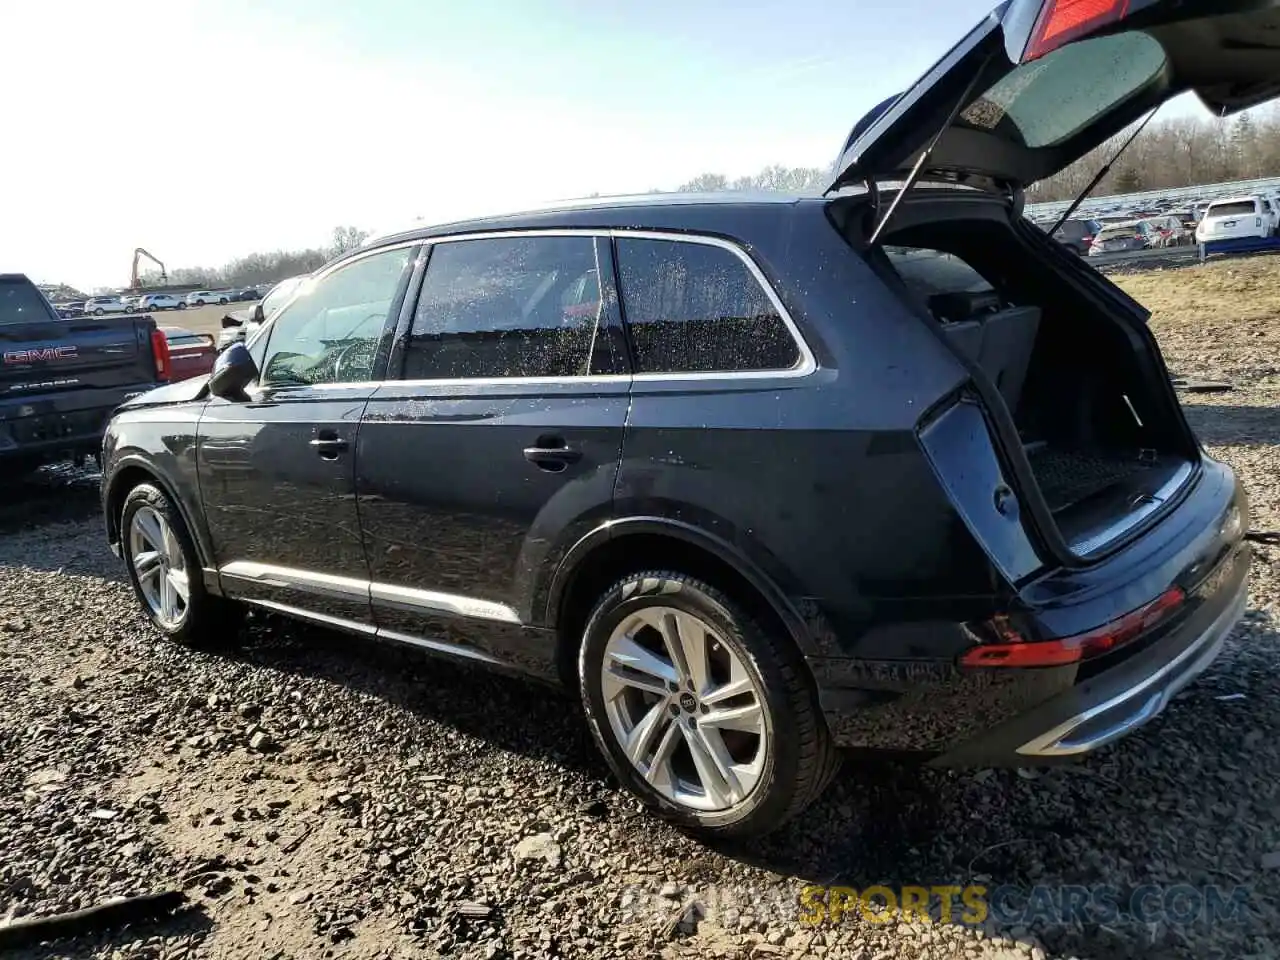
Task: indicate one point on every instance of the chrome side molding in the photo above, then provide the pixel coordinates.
(409, 598)
(380, 633)
(379, 594)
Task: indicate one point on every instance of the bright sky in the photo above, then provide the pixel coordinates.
(206, 129)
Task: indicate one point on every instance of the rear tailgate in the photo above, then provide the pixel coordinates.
(85, 353)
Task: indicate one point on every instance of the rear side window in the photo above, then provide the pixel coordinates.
(20, 302)
(1240, 208)
(697, 308)
(507, 307)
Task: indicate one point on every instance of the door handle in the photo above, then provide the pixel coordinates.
(551, 454)
(328, 444)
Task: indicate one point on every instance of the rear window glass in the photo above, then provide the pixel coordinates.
(694, 308)
(1048, 101)
(1239, 208)
(1115, 233)
(931, 272)
(20, 302)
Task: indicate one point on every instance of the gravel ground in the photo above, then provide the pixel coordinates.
(315, 798)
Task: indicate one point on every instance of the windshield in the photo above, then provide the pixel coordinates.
(1048, 101)
(1236, 208)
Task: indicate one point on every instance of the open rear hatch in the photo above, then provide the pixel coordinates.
(1040, 83)
(1072, 383)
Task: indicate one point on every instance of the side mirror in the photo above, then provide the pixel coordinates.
(257, 315)
(232, 372)
(229, 321)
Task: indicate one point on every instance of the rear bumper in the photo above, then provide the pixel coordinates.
(50, 426)
(1116, 702)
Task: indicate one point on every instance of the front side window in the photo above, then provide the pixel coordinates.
(507, 307)
(330, 332)
(695, 308)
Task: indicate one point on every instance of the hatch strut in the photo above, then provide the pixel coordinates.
(919, 167)
(1106, 168)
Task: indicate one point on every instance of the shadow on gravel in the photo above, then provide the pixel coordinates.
(191, 925)
(1224, 424)
(1172, 806)
(59, 493)
(512, 713)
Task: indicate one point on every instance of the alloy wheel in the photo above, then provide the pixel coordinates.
(684, 708)
(160, 566)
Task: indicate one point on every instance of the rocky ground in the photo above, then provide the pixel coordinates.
(317, 798)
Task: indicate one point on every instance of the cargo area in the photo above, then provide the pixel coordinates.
(1095, 419)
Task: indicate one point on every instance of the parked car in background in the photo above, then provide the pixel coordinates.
(191, 354)
(161, 301)
(247, 294)
(239, 325)
(97, 306)
(1076, 234)
(1237, 218)
(199, 298)
(1123, 238)
(70, 308)
(61, 377)
(1166, 231)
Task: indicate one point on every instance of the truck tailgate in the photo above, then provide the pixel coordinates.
(52, 356)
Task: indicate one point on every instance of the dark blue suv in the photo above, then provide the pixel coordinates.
(761, 478)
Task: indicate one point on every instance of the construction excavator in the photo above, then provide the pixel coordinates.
(134, 282)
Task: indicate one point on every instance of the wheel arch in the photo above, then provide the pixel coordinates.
(619, 547)
(128, 473)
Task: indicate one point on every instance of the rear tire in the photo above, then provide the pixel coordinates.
(699, 710)
(166, 575)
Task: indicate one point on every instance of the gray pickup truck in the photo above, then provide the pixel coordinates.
(61, 378)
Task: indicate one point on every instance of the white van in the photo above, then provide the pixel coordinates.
(1237, 218)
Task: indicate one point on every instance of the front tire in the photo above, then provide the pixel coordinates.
(699, 710)
(182, 306)
(165, 571)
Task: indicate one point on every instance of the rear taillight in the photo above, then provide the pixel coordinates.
(160, 350)
(1012, 650)
(1062, 21)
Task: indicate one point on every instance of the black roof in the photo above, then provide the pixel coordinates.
(655, 211)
